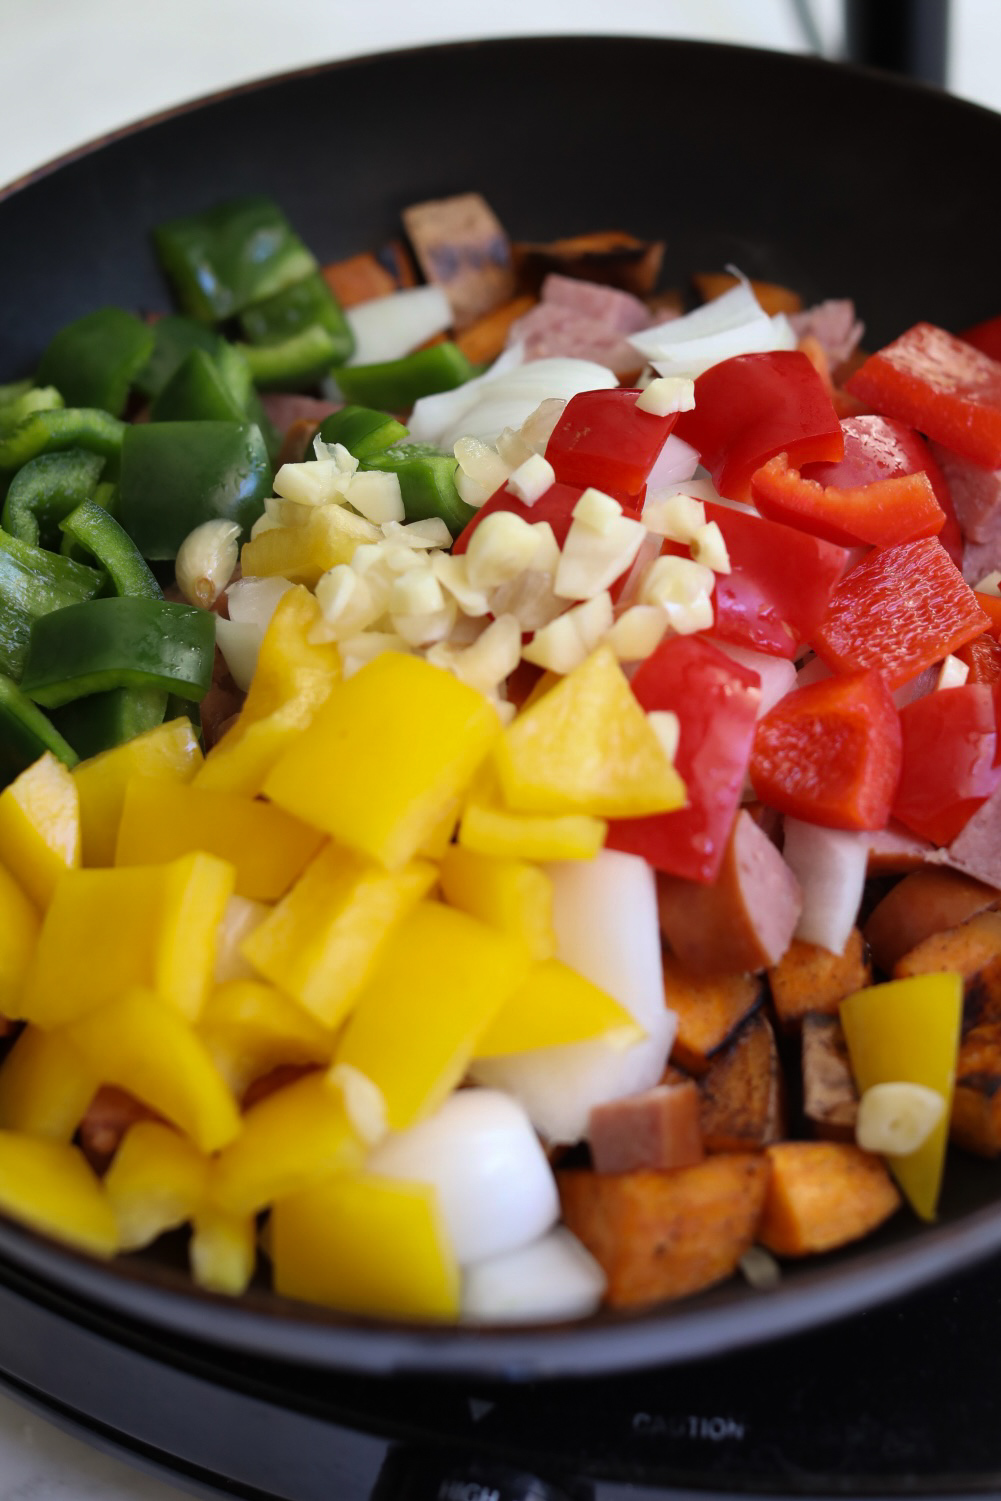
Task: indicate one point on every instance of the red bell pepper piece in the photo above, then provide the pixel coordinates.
(985, 336)
(753, 406)
(947, 770)
(991, 606)
(900, 609)
(829, 753)
(716, 701)
(880, 514)
(940, 385)
(983, 657)
(556, 507)
(878, 448)
(780, 584)
(604, 439)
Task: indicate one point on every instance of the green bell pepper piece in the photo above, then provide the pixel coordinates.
(175, 475)
(174, 337)
(33, 582)
(427, 482)
(397, 384)
(34, 399)
(215, 387)
(26, 733)
(102, 720)
(96, 530)
(54, 430)
(45, 490)
(301, 360)
(278, 321)
(363, 431)
(121, 642)
(95, 361)
(234, 254)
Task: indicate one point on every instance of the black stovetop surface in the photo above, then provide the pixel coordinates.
(904, 1399)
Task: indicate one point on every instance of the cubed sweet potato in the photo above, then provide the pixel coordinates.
(973, 950)
(483, 340)
(612, 257)
(665, 1235)
(823, 1194)
(360, 278)
(976, 1101)
(773, 298)
(830, 1099)
(709, 1009)
(743, 1094)
(922, 904)
(810, 979)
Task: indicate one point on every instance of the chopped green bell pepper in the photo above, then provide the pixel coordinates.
(96, 530)
(55, 429)
(32, 399)
(26, 733)
(95, 361)
(397, 384)
(361, 430)
(45, 490)
(231, 255)
(215, 387)
(174, 337)
(301, 360)
(121, 642)
(280, 324)
(175, 475)
(427, 482)
(33, 582)
(102, 720)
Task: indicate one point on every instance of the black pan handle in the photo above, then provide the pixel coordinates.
(900, 36)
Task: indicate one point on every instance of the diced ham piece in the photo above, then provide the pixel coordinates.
(895, 850)
(977, 850)
(658, 1129)
(618, 311)
(580, 320)
(834, 325)
(980, 559)
(745, 920)
(976, 495)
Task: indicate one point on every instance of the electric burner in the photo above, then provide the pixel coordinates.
(899, 1400)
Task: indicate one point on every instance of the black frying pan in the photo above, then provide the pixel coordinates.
(837, 182)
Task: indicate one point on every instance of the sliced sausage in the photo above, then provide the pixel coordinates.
(461, 246)
(658, 1129)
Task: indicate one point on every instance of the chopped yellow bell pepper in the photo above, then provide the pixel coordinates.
(156, 1181)
(293, 1138)
(322, 942)
(587, 747)
(554, 1006)
(45, 1085)
(250, 1028)
(511, 895)
(19, 929)
(386, 756)
(907, 1031)
(267, 848)
(51, 1188)
(330, 535)
(40, 827)
(108, 930)
(223, 1250)
(366, 1245)
(442, 979)
(488, 828)
(170, 752)
(144, 1046)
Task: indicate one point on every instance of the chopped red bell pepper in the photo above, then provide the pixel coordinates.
(991, 606)
(878, 448)
(780, 584)
(716, 701)
(985, 336)
(829, 753)
(947, 770)
(880, 514)
(556, 507)
(900, 609)
(753, 406)
(983, 657)
(941, 385)
(604, 439)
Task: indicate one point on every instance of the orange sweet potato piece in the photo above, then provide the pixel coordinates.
(823, 1194)
(709, 1009)
(360, 278)
(665, 1235)
(830, 1098)
(773, 298)
(976, 1101)
(973, 949)
(922, 904)
(743, 1095)
(612, 257)
(483, 340)
(808, 978)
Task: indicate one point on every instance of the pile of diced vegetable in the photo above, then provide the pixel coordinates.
(582, 878)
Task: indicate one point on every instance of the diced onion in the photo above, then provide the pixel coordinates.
(253, 601)
(551, 1280)
(830, 865)
(385, 328)
(240, 645)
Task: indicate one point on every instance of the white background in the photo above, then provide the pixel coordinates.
(70, 70)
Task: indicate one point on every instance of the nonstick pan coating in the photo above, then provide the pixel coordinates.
(834, 181)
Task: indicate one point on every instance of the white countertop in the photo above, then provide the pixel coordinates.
(70, 70)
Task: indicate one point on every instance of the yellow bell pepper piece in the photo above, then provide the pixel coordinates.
(304, 553)
(145, 1047)
(511, 895)
(222, 1250)
(366, 1245)
(322, 942)
(267, 848)
(587, 747)
(386, 757)
(443, 978)
(907, 1031)
(554, 1006)
(250, 1028)
(170, 753)
(488, 828)
(50, 1187)
(108, 930)
(294, 675)
(45, 1086)
(19, 928)
(293, 1138)
(40, 827)
(156, 1182)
